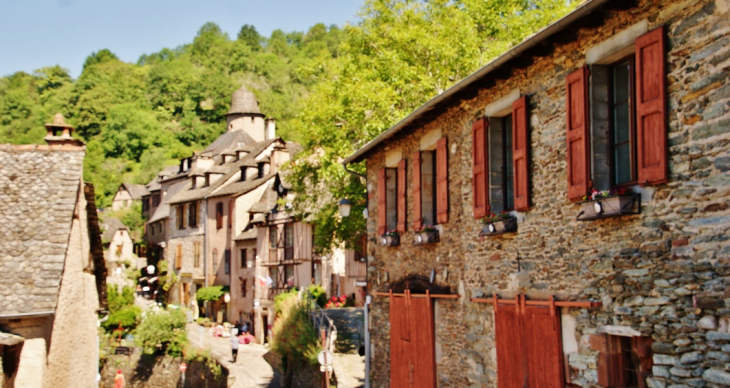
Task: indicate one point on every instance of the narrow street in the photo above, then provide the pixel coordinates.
(250, 369)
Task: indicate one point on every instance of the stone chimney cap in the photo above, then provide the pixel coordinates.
(58, 122)
(244, 101)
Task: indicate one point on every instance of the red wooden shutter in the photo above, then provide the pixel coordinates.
(480, 175)
(416, 167)
(507, 337)
(577, 137)
(520, 161)
(401, 226)
(442, 182)
(651, 108)
(543, 347)
(382, 204)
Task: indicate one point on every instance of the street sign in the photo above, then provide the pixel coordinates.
(183, 367)
(325, 358)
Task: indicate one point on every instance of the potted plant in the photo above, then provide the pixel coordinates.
(498, 224)
(427, 234)
(390, 238)
(609, 203)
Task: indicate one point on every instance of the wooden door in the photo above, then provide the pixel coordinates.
(529, 346)
(412, 351)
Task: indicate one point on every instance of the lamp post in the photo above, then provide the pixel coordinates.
(227, 299)
(345, 206)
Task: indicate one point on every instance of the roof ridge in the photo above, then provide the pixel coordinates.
(41, 147)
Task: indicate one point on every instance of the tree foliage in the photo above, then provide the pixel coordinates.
(210, 293)
(138, 118)
(162, 331)
(400, 54)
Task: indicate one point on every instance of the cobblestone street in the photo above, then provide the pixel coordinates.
(250, 369)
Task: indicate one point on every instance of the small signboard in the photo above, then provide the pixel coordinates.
(183, 367)
(325, 358)
(361, 283)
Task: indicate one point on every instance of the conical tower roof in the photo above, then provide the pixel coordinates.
(244, 101)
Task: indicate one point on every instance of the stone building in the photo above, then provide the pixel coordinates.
(118, 251)
(127, 194)
(48, 291)
(604, 140)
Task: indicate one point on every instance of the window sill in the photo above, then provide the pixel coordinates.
(423, 238)
(609, 207)
(389, 240)
(508, 225)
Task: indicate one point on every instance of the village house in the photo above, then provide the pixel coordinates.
(560, 217)
(50, 251)
(118, 251)
(127, 195)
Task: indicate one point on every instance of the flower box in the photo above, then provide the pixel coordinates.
(389, 240)
(505, 225)
(609, 207)
(425, 237)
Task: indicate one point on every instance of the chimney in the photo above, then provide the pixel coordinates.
(59, 132)
(270, 129)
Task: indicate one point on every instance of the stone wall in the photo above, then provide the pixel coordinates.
(661, 273)
(159, 372)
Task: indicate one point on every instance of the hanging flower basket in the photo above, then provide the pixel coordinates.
(389, 239)
(601, 205)
(505, 224)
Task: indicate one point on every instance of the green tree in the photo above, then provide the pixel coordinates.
(250, 37)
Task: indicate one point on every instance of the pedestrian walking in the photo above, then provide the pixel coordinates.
(234, 346)
(119, 379)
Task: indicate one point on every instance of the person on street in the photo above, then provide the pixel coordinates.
(234, 346)
(119, 379)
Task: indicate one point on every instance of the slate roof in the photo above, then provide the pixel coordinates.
(110, 226)
(167, 172)
(244, 101)
(39, 191)
(249, 234)
(135, 191)
(228, 141)
(163, 211)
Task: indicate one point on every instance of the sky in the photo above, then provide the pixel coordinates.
(39, 33)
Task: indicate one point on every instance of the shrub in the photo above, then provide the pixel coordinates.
(162, 332)
(119, 300)
(318, 294)
(209, 294)
(126, 317)
(203, 355)
(295, 339)
(202, 321)
(279, 299)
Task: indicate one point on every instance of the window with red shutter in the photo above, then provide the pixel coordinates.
(382, 204)
(520, 154)
(651, 108)
(480, 176)
(416, 187)
(219, 215)
(401, 227)
(577, 134)
(442, 181)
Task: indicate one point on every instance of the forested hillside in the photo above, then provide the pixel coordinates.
(137, 118)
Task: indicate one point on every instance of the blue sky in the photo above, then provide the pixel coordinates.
(38, 33)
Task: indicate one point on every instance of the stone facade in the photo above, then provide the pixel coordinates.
(661, 274)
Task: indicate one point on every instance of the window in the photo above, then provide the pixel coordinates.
(260, 172)
(361, 251)
(126, 202)
(392, 198)
(253, 254)
(274, 275)
(160, 227)
(243, 173)
(317, 272)
(145, 204)
(196, 254)
(219, 215)
(215, 260)
(152, 229)
(273, 244)
(193, 214)
(623, 144)
(227, 261)
(289, 241)
(500, 168)
(244, 259)
(178, 256)
(181, 217)
(156, 200)
(243, 287)
(430, 185)
(230, 214)
(622, 361)
(616, 117)
(289, 275)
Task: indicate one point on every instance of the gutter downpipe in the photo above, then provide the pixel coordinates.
(366, 315)
(515, 51)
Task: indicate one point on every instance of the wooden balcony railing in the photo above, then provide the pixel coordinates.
(273, 255)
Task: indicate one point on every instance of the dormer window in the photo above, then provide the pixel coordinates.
(261, 170)
(243, 173)
(192, 182)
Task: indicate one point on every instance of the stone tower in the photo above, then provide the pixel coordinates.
(245, 115)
